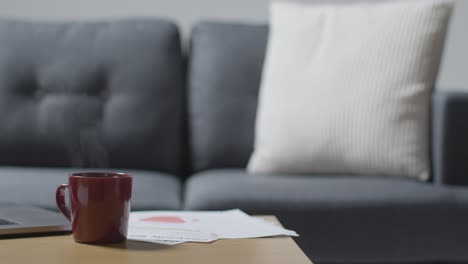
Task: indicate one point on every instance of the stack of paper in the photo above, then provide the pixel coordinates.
(175, 227)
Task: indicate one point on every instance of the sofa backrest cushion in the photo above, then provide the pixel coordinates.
(225, 65)
(91, 94)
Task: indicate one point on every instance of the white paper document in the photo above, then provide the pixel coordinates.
(175, 227)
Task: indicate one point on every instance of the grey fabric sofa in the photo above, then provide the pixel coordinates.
(124, 96)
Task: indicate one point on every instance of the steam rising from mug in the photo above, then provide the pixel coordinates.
(76, 122)
(88, 151)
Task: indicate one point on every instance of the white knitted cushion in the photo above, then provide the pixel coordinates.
(346, 88)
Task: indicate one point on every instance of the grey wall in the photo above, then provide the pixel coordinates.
(453, 75)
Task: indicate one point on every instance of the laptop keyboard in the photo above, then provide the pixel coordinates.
(6, 222)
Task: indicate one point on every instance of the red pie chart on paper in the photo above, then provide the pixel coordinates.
(164, 219)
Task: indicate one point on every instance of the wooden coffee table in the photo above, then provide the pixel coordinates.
(62, 249)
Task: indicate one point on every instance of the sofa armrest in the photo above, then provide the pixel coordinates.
(450, 137)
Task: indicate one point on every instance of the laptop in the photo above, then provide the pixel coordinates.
(23, 220)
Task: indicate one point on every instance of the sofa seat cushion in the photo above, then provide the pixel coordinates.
(36, 186)
(339, 218)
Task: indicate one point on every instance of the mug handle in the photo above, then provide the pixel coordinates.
(60, 199)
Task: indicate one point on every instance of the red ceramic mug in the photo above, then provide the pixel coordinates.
(100, 206)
